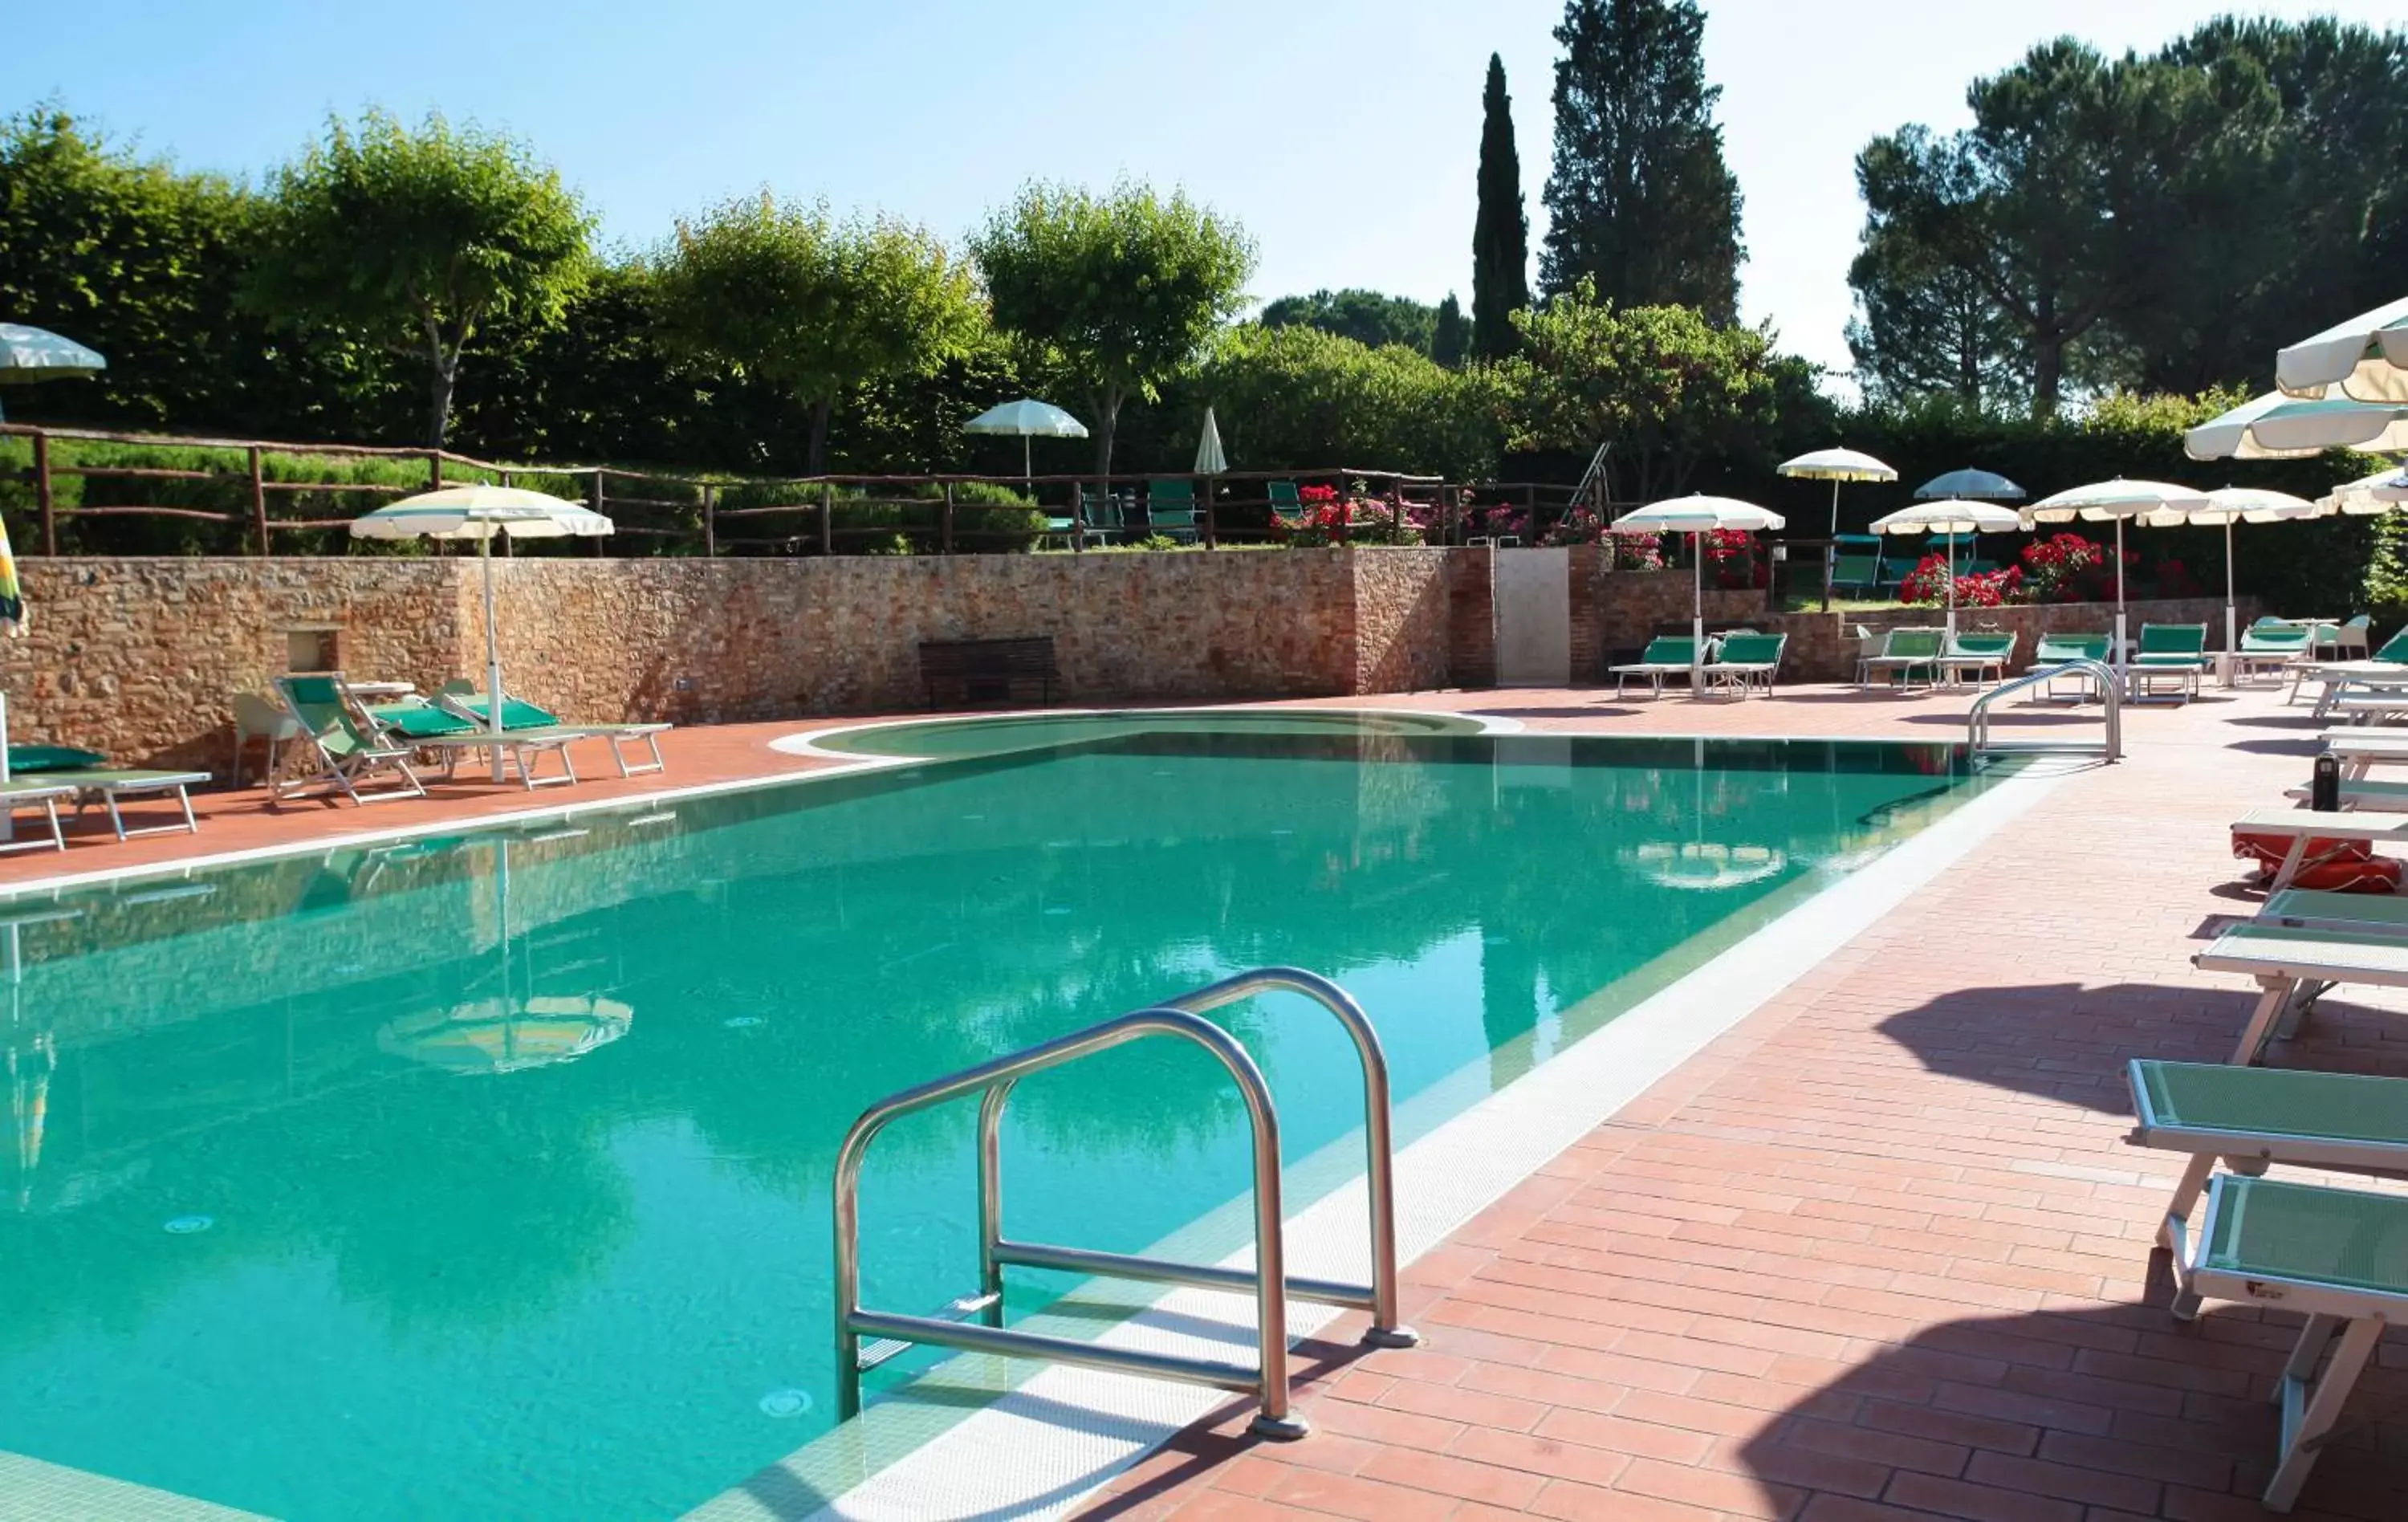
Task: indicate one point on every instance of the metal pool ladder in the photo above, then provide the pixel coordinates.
(1979, 744)
(1268, 1281)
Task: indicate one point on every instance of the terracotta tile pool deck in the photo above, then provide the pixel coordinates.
(1878, 1255)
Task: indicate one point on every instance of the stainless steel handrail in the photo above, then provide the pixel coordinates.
(1977, 719)
(1268, 1281)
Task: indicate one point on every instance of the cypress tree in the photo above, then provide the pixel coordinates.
(1500, 231)
(1449, 339)
(1640, 199)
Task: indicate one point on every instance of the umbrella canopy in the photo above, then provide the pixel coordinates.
(1209, 461)
(1973, 486)
(479, 513)
(2277, 427)
(2115, 501)
(2365, 358)
(2224, 508)
(1698, 516)
(1026, 419)
(1837, 465)
(2380, 492)
(33, 353)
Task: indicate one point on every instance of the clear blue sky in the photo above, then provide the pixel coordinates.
(1342, 133)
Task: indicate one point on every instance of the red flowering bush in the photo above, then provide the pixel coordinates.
(1636, 551)
(1928, 584)
(2067, 568)
(1326, 516)
(2174, 580)
(1731, 555)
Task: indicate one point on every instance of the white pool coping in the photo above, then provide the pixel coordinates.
(1049, 1441)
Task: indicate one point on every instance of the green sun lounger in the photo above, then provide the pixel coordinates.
(2337, 1256)
(1905, 652)
(427, 727)
(1978, 653)
(33, 793)
(1666, 655)
(2294, 966)
(522, 717)
(1743, 660)
(2170, 660)
(90, 779)
(2270, 649)
(1171, 510)
(351, 749)
(1856, 562)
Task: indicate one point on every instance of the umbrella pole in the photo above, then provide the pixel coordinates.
(1697, 609)
(1831, 551)
(2119, 596)
(1027, 470)
(1950, 621)
(2232, 614)
(492, 655)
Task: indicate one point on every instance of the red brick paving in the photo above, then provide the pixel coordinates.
(1878, 1255)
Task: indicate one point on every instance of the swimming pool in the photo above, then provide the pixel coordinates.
(487, 1174)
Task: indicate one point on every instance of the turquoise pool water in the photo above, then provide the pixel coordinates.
(487, 1175)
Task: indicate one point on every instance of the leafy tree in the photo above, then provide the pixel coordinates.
(2163, 223)
(1368, 317)
(1299, 396)
(1120, 291)
(409, 240)
(1450, 334)
(1639, 200)
(1665, 385)
(1501, 229)
(791, 298)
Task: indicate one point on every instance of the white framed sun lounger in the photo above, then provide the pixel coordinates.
(2337, 1256)
(2374, 708)
(2252, 1118)
(2364, 747)
(2342, 677)
(2305, 825)
(33, 793)
(2369, 794)
(2352, 913)
(2289, 963)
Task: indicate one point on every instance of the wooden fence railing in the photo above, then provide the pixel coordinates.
(717, 514)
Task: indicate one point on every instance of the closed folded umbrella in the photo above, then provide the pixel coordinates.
(2365, 358)
(479, 513)
(1698, 516)
(2115, 501)
(2279, 428)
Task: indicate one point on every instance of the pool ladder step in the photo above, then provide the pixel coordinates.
(974, 1323)
(1980, 746)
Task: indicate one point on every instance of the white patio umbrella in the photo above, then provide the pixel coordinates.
(33, 353)
(2279, 428)
(2115, 501)
(2225, 508)
(2369, 495)
(1835, 466)
(1698, 516)
(2365, 358)
(479, 512)
(1951, 516)
(1970, 485)
(1027, 418)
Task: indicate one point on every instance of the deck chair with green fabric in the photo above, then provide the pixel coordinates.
(353, 754)
(1743, 659)
(1983, 651)
(1904, 653)
(2056, 650)
(2270, 648)
(2387, 667)
(2170, 660)
(1170, 508)
(1856, 562)
(436, 730)
(95, 781)
(522, 717)
(1284, 498)
(1666, 655)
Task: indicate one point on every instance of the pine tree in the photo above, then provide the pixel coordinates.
(1450, 339)
(1500, 231)
(1640, 199)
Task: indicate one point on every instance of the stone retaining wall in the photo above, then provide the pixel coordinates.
(140, 656)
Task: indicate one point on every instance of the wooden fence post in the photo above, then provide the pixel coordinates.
(828, 518)
(1078, 516)
(1212, 526)
(710, 521)
(42, 493)
(259, 496)
(597, 507)
(945, 522)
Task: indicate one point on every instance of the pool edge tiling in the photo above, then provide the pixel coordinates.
(1060, 1434)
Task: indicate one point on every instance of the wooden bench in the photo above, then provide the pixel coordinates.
(986, 670)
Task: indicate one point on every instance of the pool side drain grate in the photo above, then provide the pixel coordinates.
(785, 1404)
